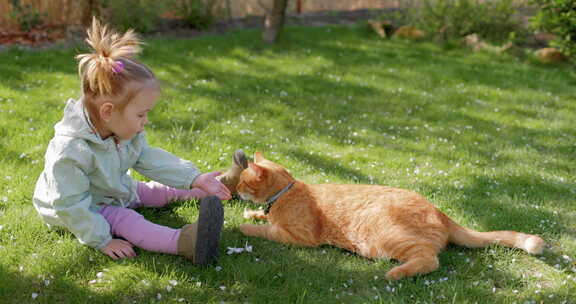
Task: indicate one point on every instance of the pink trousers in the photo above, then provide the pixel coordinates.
(134, 228)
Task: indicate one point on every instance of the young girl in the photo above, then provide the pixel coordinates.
(85, 186)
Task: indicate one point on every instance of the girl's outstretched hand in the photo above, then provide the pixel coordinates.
(211, 185)
(119, 249)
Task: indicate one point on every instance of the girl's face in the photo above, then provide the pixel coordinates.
(128, 123)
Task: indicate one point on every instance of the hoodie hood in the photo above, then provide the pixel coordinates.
(76, 123)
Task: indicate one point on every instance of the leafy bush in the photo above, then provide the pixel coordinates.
(558, 17)
(196, 13)
(140, 15)
(491, 20)
(143, 15)
(26, 15)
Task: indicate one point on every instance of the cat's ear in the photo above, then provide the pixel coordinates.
(259, 172)
(258, 157)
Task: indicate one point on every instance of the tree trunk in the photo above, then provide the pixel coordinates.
(274, 21)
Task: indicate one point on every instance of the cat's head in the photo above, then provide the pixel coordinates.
(262, 179)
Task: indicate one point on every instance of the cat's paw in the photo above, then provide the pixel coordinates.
(534, 245)
(247, 214)
(395, 274)
(254, 214)
(245, 229)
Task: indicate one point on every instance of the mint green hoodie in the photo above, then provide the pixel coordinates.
(83, 173)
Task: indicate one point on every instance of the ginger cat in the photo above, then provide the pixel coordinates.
(370, 220)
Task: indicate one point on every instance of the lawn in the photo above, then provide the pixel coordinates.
(488, 139)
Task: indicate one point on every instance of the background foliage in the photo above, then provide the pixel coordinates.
(27, 15)
(491, 20)
(559, 18)
(141, 15)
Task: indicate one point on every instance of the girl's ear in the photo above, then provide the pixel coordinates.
(105, 111)
(259, 172)
(258, 157)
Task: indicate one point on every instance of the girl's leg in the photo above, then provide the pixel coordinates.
(153, 194)
(133, 227)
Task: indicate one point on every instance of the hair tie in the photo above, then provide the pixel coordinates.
(118, 67)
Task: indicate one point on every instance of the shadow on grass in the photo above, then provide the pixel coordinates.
(277, 272)
(321, 93)
(18, 67)
(325, 164)
(16, 287)
(260, 96)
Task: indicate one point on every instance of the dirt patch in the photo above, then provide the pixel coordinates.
(34, 37)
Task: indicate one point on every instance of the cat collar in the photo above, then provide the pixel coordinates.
(275, 197)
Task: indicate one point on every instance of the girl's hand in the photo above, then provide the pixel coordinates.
(119, 249)
(211, 185)
(198, 193)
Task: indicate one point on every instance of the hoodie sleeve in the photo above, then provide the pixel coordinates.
(62, 196)
(164, 167)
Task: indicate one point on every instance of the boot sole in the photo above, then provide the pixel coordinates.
(240, 159)
(210, 223)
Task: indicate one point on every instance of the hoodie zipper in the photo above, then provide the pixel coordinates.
(117, 145)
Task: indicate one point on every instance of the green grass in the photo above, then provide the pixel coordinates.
(489, 140)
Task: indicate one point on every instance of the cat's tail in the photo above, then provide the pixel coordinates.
(463, 236)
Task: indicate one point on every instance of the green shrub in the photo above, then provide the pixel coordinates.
(197, 14)
(140, 15)
(558, 17)
(26, 15)
(143, 15)
(491, 20)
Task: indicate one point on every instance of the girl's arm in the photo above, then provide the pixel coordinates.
(163, 166)
(168, 169)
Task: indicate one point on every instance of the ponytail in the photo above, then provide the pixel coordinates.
(106, 70)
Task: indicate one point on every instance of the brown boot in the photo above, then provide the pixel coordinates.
(199, 241)
(231, 177)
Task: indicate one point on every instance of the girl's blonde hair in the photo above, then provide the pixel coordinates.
(110, 67)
